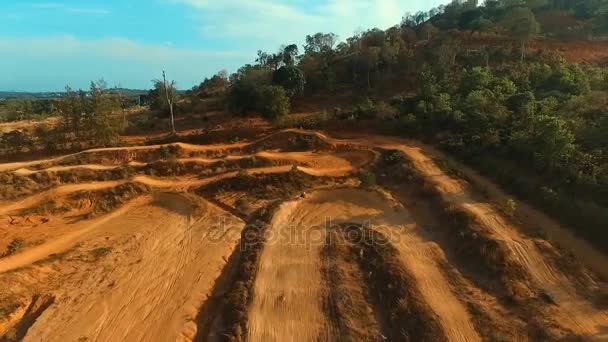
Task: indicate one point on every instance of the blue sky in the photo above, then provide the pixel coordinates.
(46, 45)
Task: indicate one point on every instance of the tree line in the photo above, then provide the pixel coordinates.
(534, 122)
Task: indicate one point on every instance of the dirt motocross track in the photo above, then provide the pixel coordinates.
(211, 243)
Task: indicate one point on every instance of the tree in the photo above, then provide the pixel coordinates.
(71, 110)
(477, 78)
(244, 87)
(105, 119)
(96, 116)
(320, 42)
(169, 94)
(535, 4)
(214, 86)
(522, 24)
(291, 79)
(428, 30)
(158, 96)
(289, 54)
(369, 59)
(548, 141)
(273, 102)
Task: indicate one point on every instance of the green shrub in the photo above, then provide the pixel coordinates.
(367, 178)
(273, 102)
(511, 207)
(290, 78)
(365, 110)
(394, 157)
(168, 152)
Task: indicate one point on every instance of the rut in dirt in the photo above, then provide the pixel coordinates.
(312, 278)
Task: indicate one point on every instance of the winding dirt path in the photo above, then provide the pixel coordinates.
(319, 164)
(8, 207)
(574, 312)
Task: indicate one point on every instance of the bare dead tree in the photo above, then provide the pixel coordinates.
(169, 94)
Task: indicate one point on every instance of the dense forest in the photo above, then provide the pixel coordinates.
(461, 76)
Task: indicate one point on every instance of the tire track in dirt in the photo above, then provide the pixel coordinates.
(572, 312)
(288, 289)
(289, 284)
(348, 297)
(421, 259)
(577, 314)
(164, 268)
(62, 243)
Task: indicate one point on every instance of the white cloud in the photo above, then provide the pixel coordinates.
(269, 23)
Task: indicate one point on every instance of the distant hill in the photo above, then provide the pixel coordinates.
(49, 95)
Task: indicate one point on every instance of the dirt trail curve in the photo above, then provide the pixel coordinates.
(60, 244)
(320, 165)
(8, 207)
(338, 159)
(574, 312)
(188, 147)
(288, 288)
(162, 268)
(26, 164)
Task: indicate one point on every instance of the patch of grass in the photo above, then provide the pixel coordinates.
(110, 199)
(13, 247)
(100, 252)
(264, 187)
(367, 178)
(8, 306)
(392, 157)
(168, 152)
(450, 168)
(312, 121)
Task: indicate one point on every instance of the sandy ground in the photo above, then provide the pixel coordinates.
(167, 257)
(163, 253)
